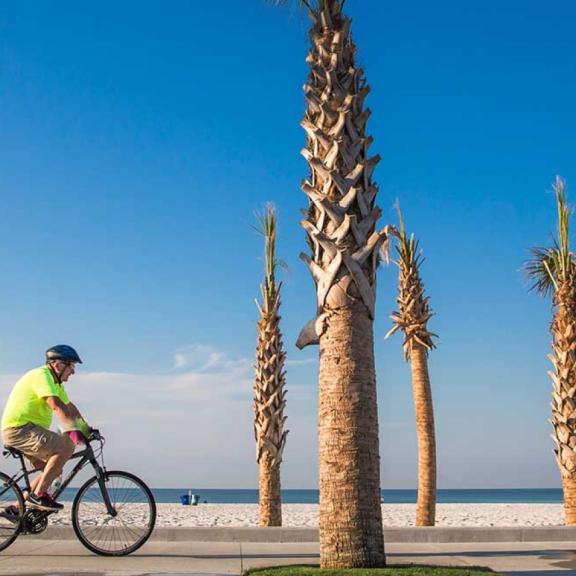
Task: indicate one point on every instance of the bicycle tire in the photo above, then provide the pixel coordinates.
(114, 536)
(10, 524)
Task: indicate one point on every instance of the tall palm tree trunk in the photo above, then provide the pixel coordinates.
(412, 319)
(340, 223)
(563, 419)
(269, 404)
(425, 431)
(553, 271)
(350, 510)
(569, 489)
(269, 493)
(269, 392)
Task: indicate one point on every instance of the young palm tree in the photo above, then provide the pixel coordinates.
(269, 393)
(553, 271)
(344, 244)
(412, 318)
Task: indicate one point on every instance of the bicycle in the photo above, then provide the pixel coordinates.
(113, 513)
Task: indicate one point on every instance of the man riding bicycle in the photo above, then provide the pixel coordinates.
(28, 415)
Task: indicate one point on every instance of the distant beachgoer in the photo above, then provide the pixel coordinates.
(28, 415)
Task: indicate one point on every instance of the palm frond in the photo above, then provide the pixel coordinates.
(541, 271)
(402, 228)
(563, 241)
(267, 223)
(407, 248)
(548, 267)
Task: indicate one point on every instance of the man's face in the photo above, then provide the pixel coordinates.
(65, 369)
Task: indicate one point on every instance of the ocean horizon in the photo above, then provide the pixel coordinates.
(399, 496)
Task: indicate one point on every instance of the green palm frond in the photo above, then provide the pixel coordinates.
(407, 248)
(541, 270)
(563, 243)
(548, 267)
(267, 227)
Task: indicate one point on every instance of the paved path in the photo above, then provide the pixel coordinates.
(31, 557)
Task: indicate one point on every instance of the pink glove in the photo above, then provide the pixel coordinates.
(77, 437)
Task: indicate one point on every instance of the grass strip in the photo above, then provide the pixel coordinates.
(404, 570)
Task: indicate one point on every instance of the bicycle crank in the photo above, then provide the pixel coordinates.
(35, 522)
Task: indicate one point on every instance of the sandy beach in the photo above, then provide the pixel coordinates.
(394, 515)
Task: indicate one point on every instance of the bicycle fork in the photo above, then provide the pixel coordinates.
(101, 476)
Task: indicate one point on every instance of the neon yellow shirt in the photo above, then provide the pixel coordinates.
(27, 401)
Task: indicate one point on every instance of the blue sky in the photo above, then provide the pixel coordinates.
(138, 138)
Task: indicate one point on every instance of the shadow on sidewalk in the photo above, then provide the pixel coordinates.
(568, 555)
(228, 556)
(563, 559)
(539, 573)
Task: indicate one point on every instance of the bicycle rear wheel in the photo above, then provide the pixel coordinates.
(11, 511)
(123, 533)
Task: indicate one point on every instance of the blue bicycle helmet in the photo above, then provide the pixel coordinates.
(62, 352)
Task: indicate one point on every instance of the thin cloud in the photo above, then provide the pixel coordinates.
(201, 359)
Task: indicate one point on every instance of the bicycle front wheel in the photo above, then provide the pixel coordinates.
(11, 511)
(125, 530)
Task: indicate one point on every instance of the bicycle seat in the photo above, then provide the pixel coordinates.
(9, 451)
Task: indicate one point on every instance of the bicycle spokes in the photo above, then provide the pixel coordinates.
(11, 511)
(115, 520)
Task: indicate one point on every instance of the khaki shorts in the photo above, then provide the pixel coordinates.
(35, 442)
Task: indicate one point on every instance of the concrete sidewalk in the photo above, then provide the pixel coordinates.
(433, 535)
(35, 556)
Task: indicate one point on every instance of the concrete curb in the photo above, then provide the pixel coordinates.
(391, 535)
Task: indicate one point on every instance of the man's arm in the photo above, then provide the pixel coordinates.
(68, 414)
(72, 407)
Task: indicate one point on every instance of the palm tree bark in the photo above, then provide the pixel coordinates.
(269, 405)
(564, 390)
(350, 510)
(569, 489)
(344, 244)
(269, 384)
(412, 318)
(269, 493)
(553, 271)
(426, 503)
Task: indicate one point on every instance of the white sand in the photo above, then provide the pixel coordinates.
(394, 515)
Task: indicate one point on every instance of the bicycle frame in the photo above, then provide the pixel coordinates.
(86, 456)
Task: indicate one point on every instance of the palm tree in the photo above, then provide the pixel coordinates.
(553, 272)
(344, 244)
(412, 318)
(269, 393)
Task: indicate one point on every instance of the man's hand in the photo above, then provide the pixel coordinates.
(77, 437)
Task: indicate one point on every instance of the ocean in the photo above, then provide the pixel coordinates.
(250, 496)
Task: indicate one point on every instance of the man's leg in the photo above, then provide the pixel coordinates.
(53, 468)
(39, 466)
(54, 450)
(39, 444)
